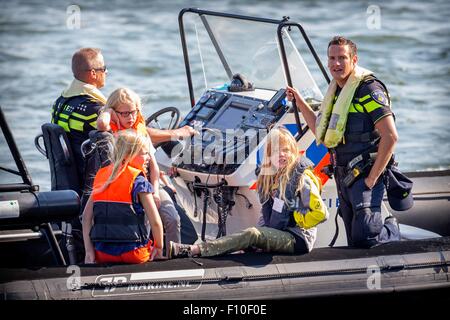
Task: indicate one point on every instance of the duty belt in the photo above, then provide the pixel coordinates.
(357, 166)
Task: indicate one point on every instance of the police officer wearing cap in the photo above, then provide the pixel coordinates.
(357, 126)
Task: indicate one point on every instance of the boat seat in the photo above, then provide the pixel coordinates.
(23, 207)
(57, 149)
(64, 176)
(96, 152)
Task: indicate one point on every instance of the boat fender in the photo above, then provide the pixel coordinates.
(34, 208)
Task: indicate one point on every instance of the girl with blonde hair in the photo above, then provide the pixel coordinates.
(291, 206)
(123, 110)
(114, 224)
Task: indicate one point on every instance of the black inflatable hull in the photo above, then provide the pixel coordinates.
(398, 266)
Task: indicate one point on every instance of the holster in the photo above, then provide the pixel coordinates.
(358, 167)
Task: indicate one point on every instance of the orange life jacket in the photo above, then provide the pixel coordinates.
(114, 217)
(139, 125)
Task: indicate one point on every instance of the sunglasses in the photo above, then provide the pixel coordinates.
(125, 114)
(103, 69)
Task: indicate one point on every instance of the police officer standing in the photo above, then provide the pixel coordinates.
(357, 126)
(76, 110)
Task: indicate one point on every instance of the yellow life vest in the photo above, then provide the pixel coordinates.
(332, 119)
(78, 87)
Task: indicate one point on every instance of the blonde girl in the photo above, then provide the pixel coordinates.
(123, 111)
(291, 206)
(114, 227)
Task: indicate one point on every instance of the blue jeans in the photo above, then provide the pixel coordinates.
(360, 208)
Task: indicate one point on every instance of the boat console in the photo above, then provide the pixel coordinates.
(231, 125)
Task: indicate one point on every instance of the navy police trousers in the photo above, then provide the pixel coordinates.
(360, 208)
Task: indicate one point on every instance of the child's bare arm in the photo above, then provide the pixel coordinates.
(104, 119)
(87, 223)
(155, 220)
(154, 179)
(166, 181)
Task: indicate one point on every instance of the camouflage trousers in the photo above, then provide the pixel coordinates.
(267, 239)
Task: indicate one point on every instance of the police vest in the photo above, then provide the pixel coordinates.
(285, 219)
(360, 135)
(77, 113)
(114, 217)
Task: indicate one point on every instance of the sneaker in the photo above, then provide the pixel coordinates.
(179, 250)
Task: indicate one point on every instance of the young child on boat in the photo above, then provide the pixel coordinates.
(123, 110)
(114, 225)
(291, 206)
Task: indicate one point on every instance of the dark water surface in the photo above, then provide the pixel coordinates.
(141, 45)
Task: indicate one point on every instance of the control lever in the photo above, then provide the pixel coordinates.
(276, 102)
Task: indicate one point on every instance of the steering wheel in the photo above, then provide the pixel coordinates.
(154, 118)
(154, 122)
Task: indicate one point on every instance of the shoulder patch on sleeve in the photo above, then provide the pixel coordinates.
(380, 97)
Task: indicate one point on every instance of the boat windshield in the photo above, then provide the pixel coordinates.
(222, 46)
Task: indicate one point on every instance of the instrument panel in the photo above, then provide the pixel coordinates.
(231, 126)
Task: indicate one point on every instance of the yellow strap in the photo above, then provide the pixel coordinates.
(372, 105)
(64, 125)
(85, 118)
(76, 125)
(93, 124)
(364, 98)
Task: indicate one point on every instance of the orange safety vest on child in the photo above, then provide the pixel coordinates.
(115, 220)
(139, 125)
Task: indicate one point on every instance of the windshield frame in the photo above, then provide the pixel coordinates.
(22, 171)
(283, 23)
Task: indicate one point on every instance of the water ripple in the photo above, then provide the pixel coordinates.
(141, 45)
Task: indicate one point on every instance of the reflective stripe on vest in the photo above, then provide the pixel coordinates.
(63, 115)
(360, 135)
